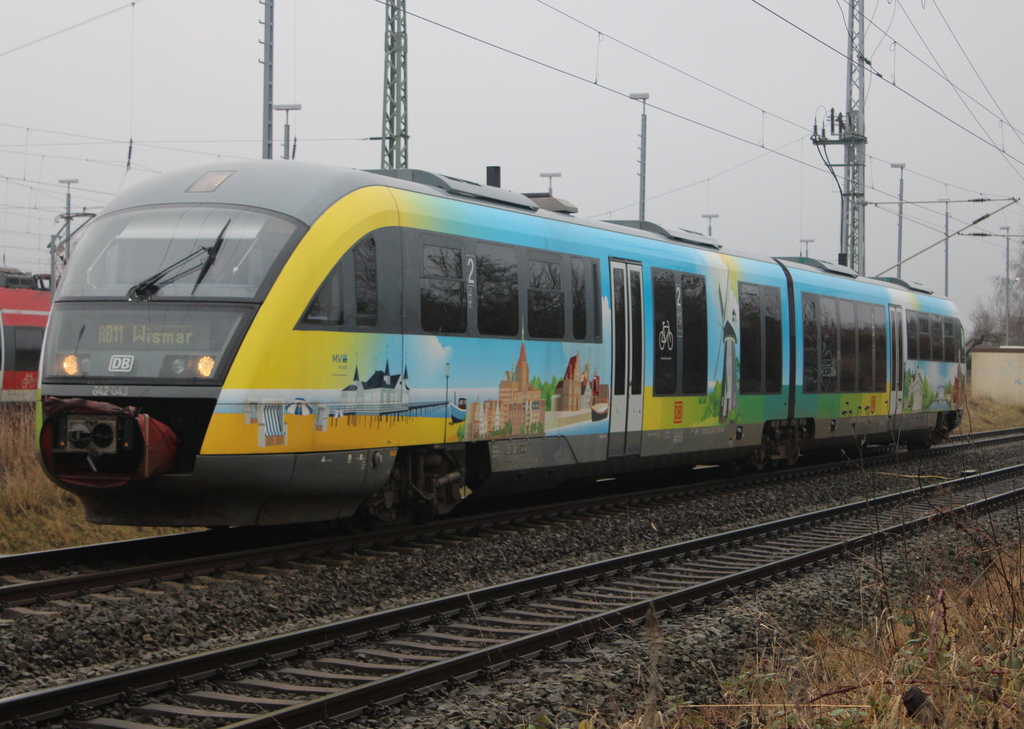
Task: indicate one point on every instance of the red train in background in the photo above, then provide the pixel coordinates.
(24, 310)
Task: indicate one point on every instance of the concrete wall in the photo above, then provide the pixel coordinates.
(998, 374)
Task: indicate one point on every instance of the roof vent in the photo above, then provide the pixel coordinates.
(910, 285)
(826, 266)
(547, 201)
(456, 186)
(673, 234)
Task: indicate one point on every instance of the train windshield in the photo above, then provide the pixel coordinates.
(174, 252)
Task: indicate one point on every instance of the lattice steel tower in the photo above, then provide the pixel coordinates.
(394, 144)
(855, 143)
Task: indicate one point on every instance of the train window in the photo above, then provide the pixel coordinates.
(948, 340)
(924, 337)
(936, 337)
(667, 296)
(772, 340)
(579, 299)
(911, 335)
(636, 310)
(829, 347)
(847, 346)
(327, 307)
(958, 330)
(595, 285)
(878, 315)
(545, 311)
(365, 260)
(865, 341)
(619, 323)
(810, 311)
(442, 291)
(498, 302)
(760, 339)
(695, 332)
(23, 345)
(751, 344)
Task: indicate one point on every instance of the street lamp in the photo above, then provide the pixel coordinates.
(1006, 335)
(899, 223)
(710, 217)
(287, 127)
(549, 175)
(643, 97)
(807, 246)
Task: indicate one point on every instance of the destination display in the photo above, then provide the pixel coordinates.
(156, 341)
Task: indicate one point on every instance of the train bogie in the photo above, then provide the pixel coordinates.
(283, 342)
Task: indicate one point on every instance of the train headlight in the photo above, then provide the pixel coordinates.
(178, 365)
(70, 365)
(205, 365)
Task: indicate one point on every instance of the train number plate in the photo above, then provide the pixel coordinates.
(109, 391)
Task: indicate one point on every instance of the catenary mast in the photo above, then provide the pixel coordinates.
(394, 150)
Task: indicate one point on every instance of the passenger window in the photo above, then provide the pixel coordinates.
(912, 335)
(442, 291)
(829, 352)
(665, 331)
(498, 309)
(924, 337)
(810, 306)
(865, 354)
(695, 330)
(847, 346)
(751, 344)
(27, 343)
(365, 259)
(772, 340)
(878, 313)
(579, 299)
(327, 308)
(545, 315)
(936, 338)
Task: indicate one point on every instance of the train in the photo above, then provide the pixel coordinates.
(274, 342)
(24, 310)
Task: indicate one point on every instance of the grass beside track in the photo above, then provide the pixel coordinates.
(34, 513)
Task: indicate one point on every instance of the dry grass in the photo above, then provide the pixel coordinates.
(35, 514)
(961, 647)
(984, 414)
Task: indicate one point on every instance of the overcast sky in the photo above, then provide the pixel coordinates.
(542, 86)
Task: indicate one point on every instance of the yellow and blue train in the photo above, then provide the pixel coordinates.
(271, 342)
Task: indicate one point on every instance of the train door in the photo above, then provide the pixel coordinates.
(627, 402)
(897, 356)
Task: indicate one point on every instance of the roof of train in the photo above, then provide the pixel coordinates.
(305, 191)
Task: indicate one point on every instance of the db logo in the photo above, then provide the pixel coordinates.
(121, 362)
(677, 412)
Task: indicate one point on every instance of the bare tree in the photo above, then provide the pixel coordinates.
(989, 316)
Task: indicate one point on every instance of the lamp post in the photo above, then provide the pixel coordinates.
(287, 127)
(710, 217)
(807, 246)
(899, 223)
(643, 97)
(945, 290)
(550, 175)
(1006, 335)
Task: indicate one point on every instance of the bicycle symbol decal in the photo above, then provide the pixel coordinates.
(666, 340)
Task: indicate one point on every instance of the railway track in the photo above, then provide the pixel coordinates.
(344, 669)
(216, 553)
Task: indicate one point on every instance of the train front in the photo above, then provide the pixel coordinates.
(156, 299)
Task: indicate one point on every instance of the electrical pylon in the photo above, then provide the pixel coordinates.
(394, 145)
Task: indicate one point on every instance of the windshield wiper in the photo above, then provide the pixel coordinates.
(146, 288)
(208, 264)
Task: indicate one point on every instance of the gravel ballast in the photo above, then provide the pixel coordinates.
(100, 634)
